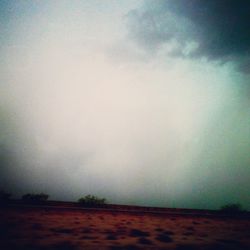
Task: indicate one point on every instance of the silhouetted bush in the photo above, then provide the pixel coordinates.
(4, 197)
(231, 208)
(92, 201)
(35, 198)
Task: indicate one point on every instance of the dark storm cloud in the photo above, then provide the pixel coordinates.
(219, 29)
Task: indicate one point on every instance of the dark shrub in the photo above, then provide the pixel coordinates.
(92, 201)
(35, 198)
(231, 208)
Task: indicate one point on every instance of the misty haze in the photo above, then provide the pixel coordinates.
(140, 102)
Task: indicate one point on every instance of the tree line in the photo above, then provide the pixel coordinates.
(93, 201)
(87, 200)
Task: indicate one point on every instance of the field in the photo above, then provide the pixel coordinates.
(72, 228)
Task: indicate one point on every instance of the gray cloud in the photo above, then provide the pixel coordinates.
(217, 30)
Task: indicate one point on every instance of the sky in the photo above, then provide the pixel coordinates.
(141, 102)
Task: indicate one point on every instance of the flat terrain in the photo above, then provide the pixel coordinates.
(67, 229)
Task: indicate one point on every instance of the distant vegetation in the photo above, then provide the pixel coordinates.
(4, 197)
(36, 198)
(92, 201)
(232, 208)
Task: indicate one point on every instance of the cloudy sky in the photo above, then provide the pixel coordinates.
(141, 102)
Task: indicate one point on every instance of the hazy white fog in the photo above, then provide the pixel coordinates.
(85, 109)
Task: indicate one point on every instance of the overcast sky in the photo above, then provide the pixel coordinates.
(140, 102)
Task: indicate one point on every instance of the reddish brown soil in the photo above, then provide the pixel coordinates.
(67, 229)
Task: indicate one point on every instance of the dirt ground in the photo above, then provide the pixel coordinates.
(44, 229)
